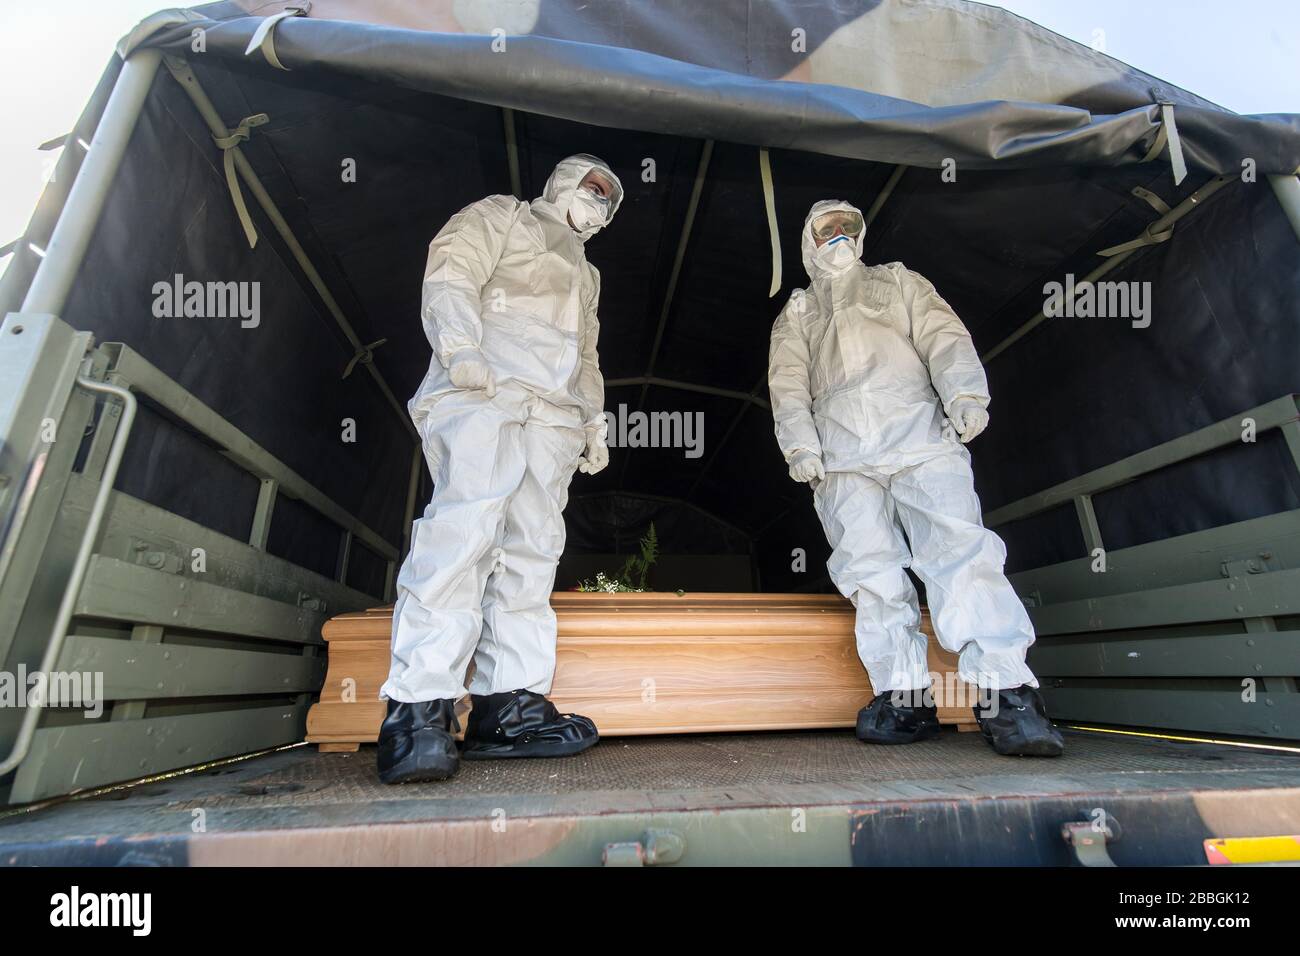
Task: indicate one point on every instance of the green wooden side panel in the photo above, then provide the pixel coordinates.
(64, 759)
(1244, 654)
(1204, 711)
(132, 670)
(120, 591)
(1251, 595)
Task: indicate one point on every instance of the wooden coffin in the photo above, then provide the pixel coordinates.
(658, 663)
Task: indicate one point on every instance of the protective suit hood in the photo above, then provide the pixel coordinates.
(808, 245)
(563, 183)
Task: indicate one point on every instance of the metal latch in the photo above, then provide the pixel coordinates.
(1088, 839)
(150, 555)
(309, 602)
(1240, 568)
(654, 848)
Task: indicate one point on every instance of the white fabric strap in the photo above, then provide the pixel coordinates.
(1167, 135)
(769, 202)
(228, 144)
(264, 36)
(1148, 238)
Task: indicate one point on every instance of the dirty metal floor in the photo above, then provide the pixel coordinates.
(264, 800)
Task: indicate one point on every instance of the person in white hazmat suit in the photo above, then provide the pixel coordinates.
(512, 404)
(875, 388)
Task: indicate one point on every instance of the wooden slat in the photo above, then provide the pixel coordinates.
(231, 563)
(133, 670)
(1245, 654)
(1208, 711)
(1252, 595)
(120, 591)
(87, 754)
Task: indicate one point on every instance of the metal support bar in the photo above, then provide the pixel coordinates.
(1291, 433)
(1287, 190)
(79, 565)
(412, 489)
(749, 397)
(102, 441)
(189, 82)
(883, 196)
(261, 531)
(1088, 523)
(67, 247)
(512, 151)
(390, 576)
(1198, 198)
(345, 557)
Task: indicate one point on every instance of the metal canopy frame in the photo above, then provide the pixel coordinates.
(92, 580)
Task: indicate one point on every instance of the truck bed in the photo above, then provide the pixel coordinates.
(814, 797)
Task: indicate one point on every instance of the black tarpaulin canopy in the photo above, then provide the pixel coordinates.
(1058, 152)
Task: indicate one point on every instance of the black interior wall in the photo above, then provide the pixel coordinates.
(1223, 339)
(1074, 395)
(170, 213)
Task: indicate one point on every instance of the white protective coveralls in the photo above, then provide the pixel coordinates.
(865, 366)
(509, 279)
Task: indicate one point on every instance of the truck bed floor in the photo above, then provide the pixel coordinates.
(810, 797)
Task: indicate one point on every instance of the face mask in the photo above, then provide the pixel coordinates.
(587, 210)
(837, 253)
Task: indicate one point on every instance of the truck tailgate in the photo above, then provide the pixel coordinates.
(817, 797)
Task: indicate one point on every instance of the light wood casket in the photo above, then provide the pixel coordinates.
(658, 663)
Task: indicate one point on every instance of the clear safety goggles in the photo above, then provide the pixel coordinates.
(600, 188)
(825, 226)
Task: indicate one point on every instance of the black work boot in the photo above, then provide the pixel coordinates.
(416, 742)
(520, 723)
(898, 717)
(1020, 727)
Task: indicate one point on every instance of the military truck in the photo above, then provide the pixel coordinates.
(211, 330)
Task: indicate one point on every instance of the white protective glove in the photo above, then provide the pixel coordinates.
(468, 370)
(596, 455)
(805, 466)
(969, 417)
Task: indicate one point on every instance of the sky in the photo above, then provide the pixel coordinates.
(1241, 55)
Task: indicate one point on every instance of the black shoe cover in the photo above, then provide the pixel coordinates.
(519, 723)
(415, 742)
(887, 721)
(1020, 728)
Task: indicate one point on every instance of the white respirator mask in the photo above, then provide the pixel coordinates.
(587, 210)
(837, 253)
